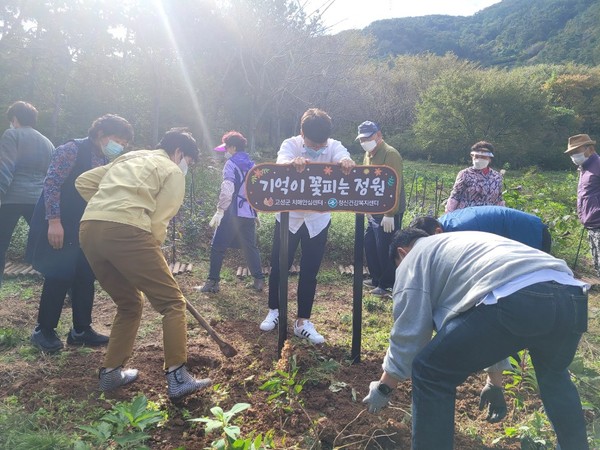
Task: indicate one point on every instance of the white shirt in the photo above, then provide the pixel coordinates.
(539, 276)
(334, 153)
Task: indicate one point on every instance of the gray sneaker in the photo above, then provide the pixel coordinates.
(115, 378)
(181, 382)
(380, 292)
(211, 287)
(46, 340)
(258, 285)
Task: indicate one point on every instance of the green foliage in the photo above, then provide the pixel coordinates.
(523, 382)
(467, 106)
(9, 338)
(21, 430)
(124, 426)
(324, 370)
(507, 33)
(535, 434)
(230, 434)
(285, 387)
(16, 250)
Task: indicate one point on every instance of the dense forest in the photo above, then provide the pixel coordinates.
(509, 33)
(436, 84)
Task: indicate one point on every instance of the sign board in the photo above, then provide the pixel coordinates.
(322, 188)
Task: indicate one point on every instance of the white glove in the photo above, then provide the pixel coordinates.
(257, 222)
(376, 401)
(216, 219)
(388, 224)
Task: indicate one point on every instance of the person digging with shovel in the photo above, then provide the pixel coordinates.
(130, 203)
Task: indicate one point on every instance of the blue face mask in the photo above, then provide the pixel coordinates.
(111, 150)
(314, 154)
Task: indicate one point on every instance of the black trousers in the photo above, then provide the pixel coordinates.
(9, 216)
(55, 290)
(313, 250)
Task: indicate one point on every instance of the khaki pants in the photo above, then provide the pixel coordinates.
(128, 261)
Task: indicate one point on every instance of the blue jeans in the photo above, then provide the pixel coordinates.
(546, 318)
(235, 231)
(377, 251)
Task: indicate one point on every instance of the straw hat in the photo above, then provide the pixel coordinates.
(577, 141)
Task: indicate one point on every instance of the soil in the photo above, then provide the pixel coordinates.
(325, 419)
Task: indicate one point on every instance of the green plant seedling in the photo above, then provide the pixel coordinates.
(125, 424)
(230, 434)
(284, 387)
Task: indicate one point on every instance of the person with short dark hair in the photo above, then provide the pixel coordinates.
(130, 203)
(487, 297)
(477, 185)
(508, 222)
(380, 227)
(235, 220)
(24, 158)
(53, 242)
(581, 148)
(307, 229)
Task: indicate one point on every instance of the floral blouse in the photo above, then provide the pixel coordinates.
(474, 187)
(62, 163)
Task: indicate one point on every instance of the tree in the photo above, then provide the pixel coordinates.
(501, 107)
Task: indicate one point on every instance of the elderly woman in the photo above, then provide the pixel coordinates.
(235, 220)
(53, 244)
(478, 185)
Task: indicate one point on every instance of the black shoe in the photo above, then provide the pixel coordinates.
(88, 337)
(46, 340)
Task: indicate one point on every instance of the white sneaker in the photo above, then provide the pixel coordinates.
(307, 331)
(270, 321)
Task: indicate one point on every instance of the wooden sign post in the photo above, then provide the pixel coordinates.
(322, 188)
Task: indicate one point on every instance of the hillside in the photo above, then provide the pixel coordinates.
(509, 33)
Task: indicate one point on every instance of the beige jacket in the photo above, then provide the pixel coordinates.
(143, 188)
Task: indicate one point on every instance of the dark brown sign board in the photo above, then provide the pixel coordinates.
(322, 188)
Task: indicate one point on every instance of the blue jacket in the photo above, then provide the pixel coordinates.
(510, 223)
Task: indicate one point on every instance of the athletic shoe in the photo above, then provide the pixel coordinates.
(115, 378)
(380, 292)
(307, 331)
(369, 283)
(210, 287)
(88, 337)
(181, 382)
(46, 340)
(258, 285)
(270, 321)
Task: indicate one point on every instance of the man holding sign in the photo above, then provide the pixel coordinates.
(307, 229)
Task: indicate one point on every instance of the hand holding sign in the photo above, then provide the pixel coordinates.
(322, 187)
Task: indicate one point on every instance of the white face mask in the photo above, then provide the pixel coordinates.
(183, 165)
(579, 158)
(368, 146)
(479, 163)
(12, 125)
